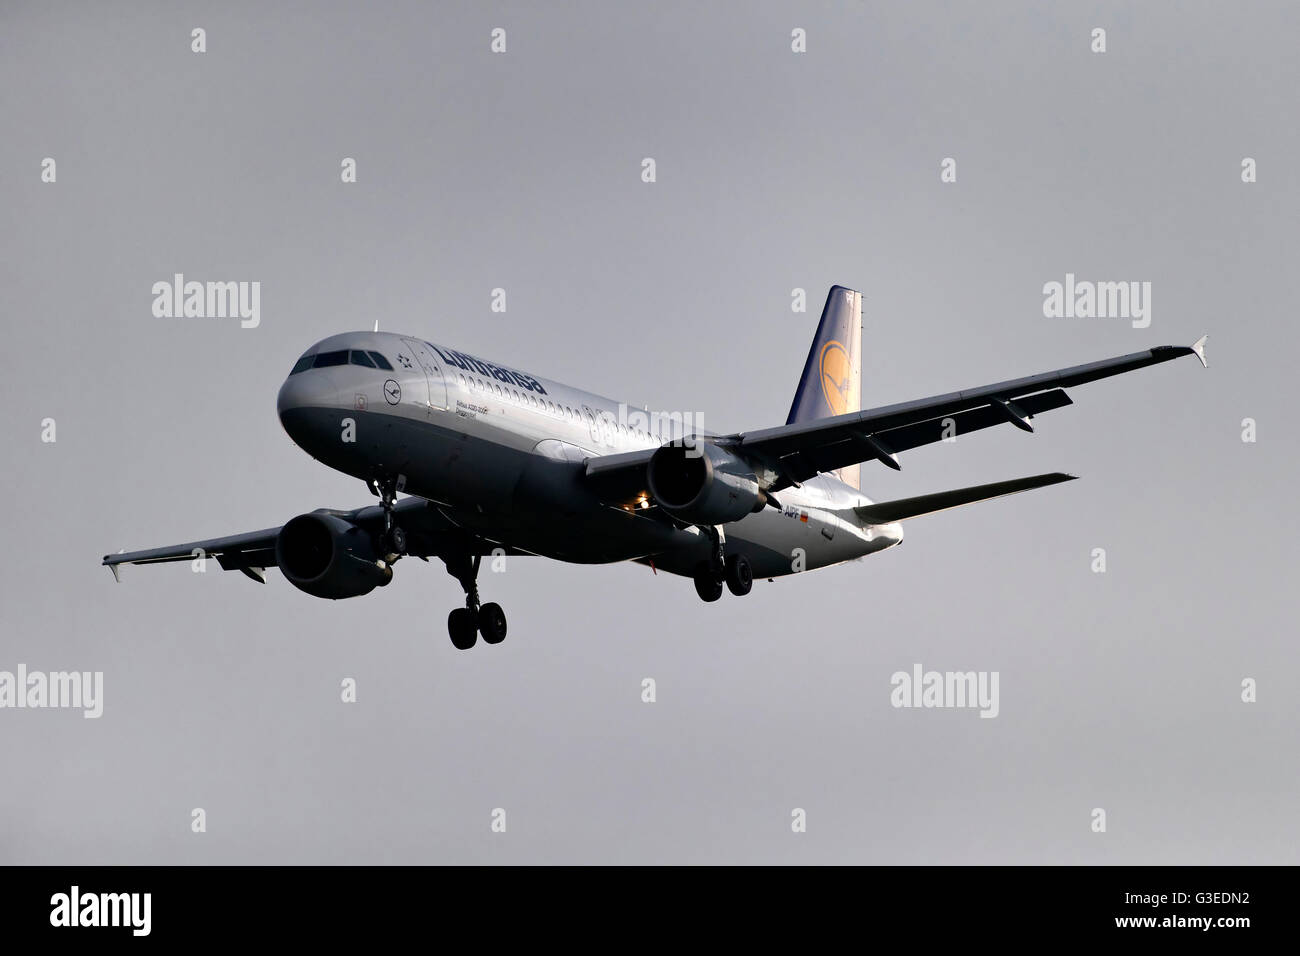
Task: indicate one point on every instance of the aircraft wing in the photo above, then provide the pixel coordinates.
(252, 553)
(798, 451)
(256, 549)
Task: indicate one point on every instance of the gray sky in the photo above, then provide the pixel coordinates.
(775, 171)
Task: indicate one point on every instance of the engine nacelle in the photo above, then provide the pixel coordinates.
(329, 557)
(703, 484)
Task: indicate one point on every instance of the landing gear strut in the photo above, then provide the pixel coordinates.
(464, 624)
(393, 540)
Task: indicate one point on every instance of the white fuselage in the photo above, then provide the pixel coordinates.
(503, 450)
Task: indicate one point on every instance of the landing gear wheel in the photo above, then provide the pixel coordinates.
(740, 576)
(707, 584)
(492, 623)
(463, 628)
(395, 541)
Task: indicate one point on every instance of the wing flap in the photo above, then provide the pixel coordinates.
(262, 558)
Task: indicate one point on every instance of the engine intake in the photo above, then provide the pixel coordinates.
(703, 484)
(329, 557)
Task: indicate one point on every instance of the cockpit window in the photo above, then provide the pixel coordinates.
(381, 361)
(303, 364)
(327, 359)
(361, 358)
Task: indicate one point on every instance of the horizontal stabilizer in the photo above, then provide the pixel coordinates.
(884, 512)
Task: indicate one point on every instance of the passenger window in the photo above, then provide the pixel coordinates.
(362, 359)
(303, 364)
(380, 361)
(329, 359)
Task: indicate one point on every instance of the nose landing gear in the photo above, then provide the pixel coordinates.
(393, 540)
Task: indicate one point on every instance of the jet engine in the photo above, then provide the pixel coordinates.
(703, 484)
(329, 557)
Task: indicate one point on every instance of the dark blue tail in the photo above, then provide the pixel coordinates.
(832, 377)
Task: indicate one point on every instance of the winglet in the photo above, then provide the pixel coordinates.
(117, 573)
(1199, 348)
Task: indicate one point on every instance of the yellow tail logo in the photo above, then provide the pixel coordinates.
(836, 376)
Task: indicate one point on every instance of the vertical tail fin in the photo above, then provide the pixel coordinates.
(832, 377)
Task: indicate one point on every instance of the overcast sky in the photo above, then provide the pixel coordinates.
(775, 171)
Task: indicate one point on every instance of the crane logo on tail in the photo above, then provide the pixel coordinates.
(836, 375)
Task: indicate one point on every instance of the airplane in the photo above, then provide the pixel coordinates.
(497, 461)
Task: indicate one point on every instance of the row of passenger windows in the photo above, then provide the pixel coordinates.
(342, 357)
(562, 412)
(516, 397)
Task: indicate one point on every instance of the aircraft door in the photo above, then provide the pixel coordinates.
(432, 368)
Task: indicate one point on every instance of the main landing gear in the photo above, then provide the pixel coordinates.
(733, 570)
(465, 624)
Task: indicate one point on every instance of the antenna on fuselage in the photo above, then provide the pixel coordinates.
(376, 325)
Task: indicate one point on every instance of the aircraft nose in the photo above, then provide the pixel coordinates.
(298, 395)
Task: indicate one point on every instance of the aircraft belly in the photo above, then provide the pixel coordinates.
(542, 505)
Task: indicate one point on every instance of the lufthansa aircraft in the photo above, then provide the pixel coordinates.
(495, 460)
